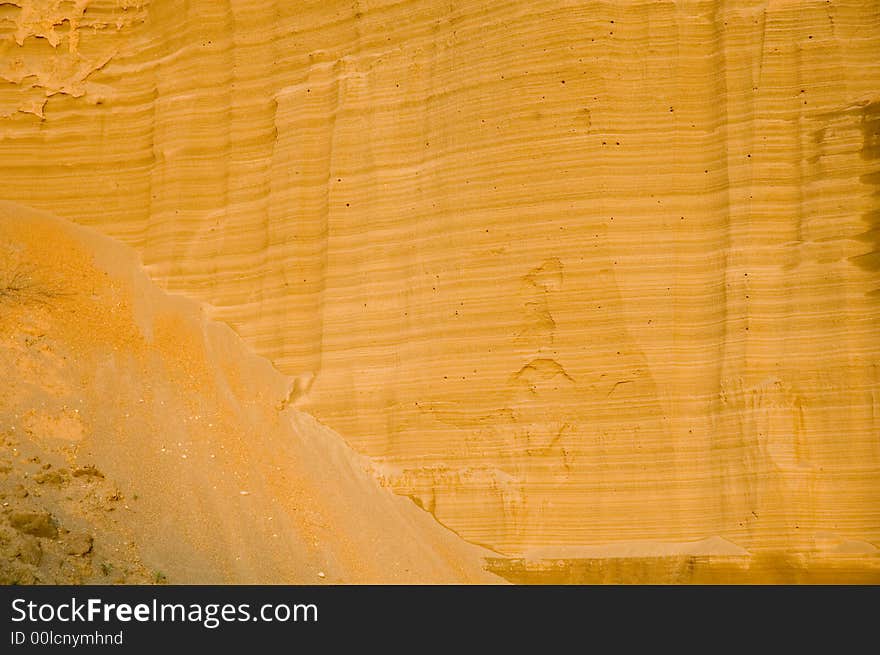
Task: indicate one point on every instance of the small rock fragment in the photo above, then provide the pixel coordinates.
(79, 544)
(87, 471)
(30, 551)
(58, 477)
(38, 524)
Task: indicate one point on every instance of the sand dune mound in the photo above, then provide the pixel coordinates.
(141, 442)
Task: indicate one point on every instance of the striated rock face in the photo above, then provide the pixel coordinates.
(587, 281)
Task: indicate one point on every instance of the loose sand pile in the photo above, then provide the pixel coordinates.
(143, 443)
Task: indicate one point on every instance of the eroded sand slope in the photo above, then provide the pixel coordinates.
(595, 283)
(142, 442)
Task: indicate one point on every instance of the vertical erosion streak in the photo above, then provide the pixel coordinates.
(189, 179)
(708, 74)
(869, 122)
(253, 135)
(307, 113)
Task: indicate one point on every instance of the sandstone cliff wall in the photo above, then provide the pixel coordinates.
(574, 274)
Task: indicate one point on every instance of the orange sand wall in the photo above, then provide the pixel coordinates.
(576, 274)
